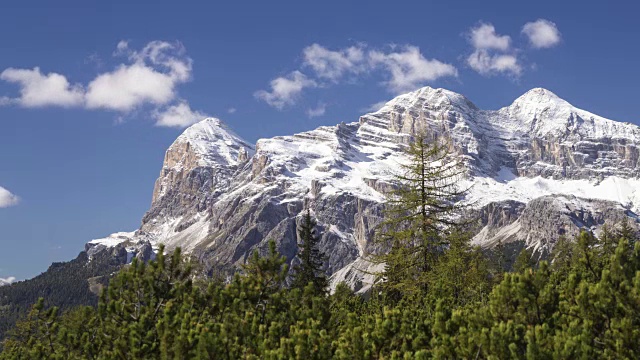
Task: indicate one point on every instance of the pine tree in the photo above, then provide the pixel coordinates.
(417, 212)
(461, 275)
(309, 271)
(264, 276)
(626, 231)
(524, 261)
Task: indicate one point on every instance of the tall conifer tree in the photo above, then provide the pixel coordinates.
(311, 258)
(422, 206)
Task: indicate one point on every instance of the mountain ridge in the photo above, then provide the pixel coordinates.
(220, 198)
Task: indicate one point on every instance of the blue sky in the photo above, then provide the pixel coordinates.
(92, 93)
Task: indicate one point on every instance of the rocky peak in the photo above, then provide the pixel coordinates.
(541, 113)
(213, 143)
(207, 144)
(435, 112)
(428, 99)
(198, 167)
(539, 96)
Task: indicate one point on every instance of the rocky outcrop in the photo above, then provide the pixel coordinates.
(555, 139)
(542, 221)
(198, 168)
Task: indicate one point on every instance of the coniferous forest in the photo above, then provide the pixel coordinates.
(437, 297)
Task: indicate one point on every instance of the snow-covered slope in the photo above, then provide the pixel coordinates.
(541, 113)
(219, 198)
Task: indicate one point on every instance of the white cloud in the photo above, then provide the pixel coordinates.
(486, 63)
(232, 110)
(7, 281)
(285, 90)
(122, 48)
(152, 77)
(484, 37)
(492, 53)
(128, 87)
(148, 76)
(406, 69)
(7, 198)
(38, 90)
(542, 33)
(179, 115)
(333, 65)
(375, 107)
(409, 69)
(317, 111)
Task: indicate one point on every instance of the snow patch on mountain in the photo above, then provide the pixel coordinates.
(214, 143)
(507, 186)
(186, 238)
(114, 239)
(540, 112)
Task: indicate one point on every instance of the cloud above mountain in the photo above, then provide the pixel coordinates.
(484, 37)
(285, 90)
(542, 33)
(317, 111)
(334, 64)
(39, 90)
(494, 54)
(408, 69)
(404, 68)
(7, 199)
(148, 77)
(178, 115)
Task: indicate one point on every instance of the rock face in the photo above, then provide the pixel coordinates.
(541, 222)
(554, 139)
(197, 169)
(538, 169)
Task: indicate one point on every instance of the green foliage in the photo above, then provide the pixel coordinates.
(417, 213)
(309, 271)
(584, 304)
(65, 285)
(462, 274)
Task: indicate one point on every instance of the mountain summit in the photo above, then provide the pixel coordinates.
(540, 168)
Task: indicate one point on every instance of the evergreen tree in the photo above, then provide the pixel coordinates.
(501, 263)
(264, 276)
(462, 275)
(309, 271)
(627, 232)
(524, 261)
(585, 305)
(422, 206)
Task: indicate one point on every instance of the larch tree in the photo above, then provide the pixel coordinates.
(422, 207)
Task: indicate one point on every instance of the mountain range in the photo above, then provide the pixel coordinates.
(537, 170)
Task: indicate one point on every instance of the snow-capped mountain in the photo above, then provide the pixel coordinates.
(537, 169)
